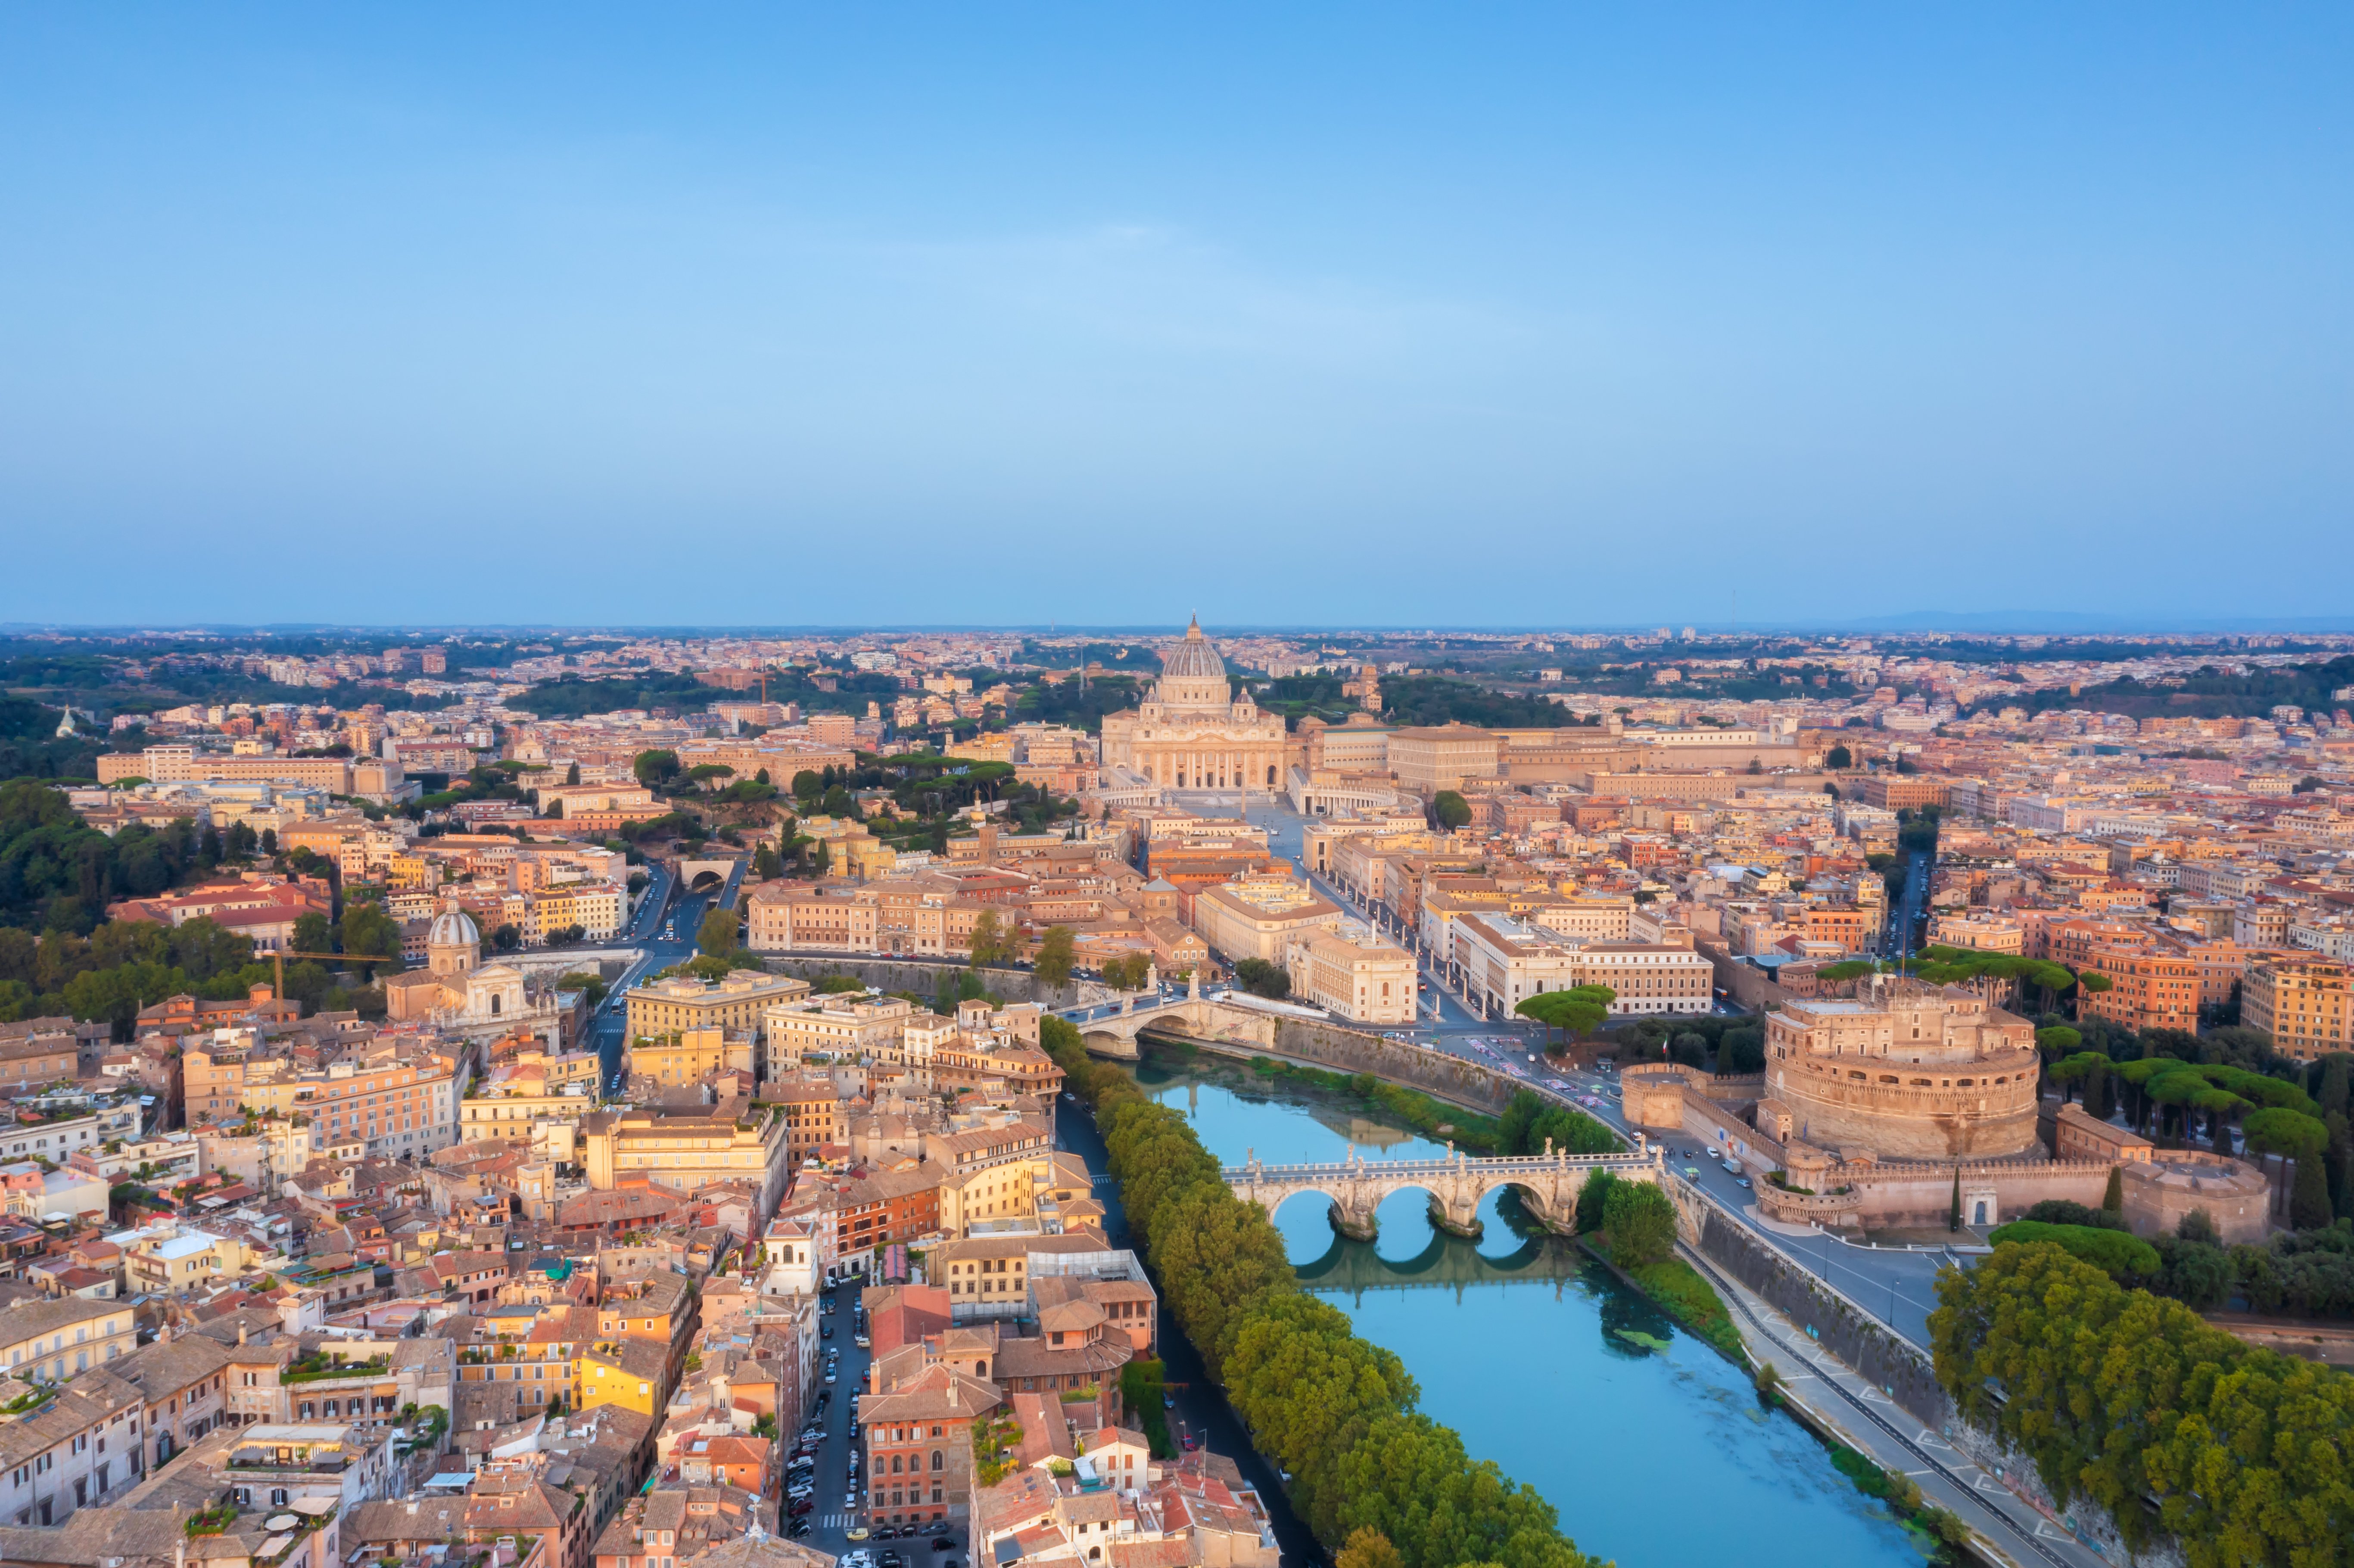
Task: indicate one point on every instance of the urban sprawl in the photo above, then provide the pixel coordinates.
(556, 1099)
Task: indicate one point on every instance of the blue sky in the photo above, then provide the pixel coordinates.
(1361, 316)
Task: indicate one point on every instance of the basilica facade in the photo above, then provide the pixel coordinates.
(1193, 733)
(459, 995)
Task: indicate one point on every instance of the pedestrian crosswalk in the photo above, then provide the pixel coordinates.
(837, 1520)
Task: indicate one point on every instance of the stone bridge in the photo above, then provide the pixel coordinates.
(1446, 1264)
(1547, 1184)
(1111, 1031)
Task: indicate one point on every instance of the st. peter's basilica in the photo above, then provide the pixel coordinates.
(1193, 732)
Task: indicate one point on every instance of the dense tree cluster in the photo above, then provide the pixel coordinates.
(2114, 1253)
(119, 969)
(1261, 978)
(1334, 1410)
(1734, 1045)
(58, 873)
(2135, 1402)
(1529, 1124)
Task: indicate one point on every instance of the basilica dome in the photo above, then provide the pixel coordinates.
(1192, 674)
(453, 928)
(1193, 659)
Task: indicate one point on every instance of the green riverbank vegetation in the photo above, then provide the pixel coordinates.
(1631, 1226)
(2136, 1402)
(1334, 1410)
(1527, 1123)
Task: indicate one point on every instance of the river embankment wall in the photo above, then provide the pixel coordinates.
(923, 976)
(1335, 1049)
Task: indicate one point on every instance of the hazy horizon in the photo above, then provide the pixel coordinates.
(1522, 317)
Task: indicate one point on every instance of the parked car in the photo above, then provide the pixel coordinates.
(945, 1543)
(891, 1560)
(798, 1528)
(824, 1330)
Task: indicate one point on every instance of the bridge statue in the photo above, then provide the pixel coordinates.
(1456, 1184)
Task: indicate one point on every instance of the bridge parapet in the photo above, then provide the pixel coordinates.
(1548, 1184)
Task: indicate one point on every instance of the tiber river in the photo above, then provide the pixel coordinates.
(1652, 1447)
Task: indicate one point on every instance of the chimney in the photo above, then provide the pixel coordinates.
(240, 1332)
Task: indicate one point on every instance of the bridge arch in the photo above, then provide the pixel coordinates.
(704, 872)
(1547, 1186)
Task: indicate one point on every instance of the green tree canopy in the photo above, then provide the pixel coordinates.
(1641, 1223)
(1053, 962)
(2120, 1256)
(1451, 809)
(990, 944)
(1261, 978)
(719, 934)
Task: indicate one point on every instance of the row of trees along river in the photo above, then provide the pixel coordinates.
(1652, 1447)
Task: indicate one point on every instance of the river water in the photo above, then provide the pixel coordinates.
(1652, 1447)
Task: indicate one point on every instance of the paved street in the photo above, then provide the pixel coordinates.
(831, 1517)
(834, 1513)
(664, 909)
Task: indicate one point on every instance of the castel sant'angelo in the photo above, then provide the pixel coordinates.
(1907, 1072)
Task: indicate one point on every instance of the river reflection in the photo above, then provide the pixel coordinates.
(1652, 1447)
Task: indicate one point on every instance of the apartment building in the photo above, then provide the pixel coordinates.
(848, 1026)
(2304, 1003)
(1579, 919)
(733, 1005)
(812, 1114)
(688, 1055)
(170, 1258)
(391, 1098)
(54, 1340)
(681, 1149)
(1498, 963)
(934, 920)
(1427, 760)
(1979, 932)
(1260, 917)
(1354, 972)
(514, 1113)
(1648, 977)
